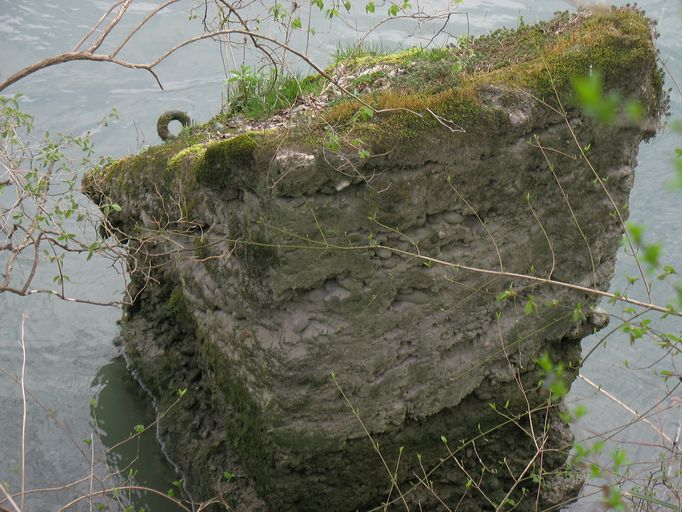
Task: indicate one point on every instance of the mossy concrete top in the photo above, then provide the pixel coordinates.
(481, 88)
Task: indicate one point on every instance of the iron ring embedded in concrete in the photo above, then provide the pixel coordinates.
(166, 118)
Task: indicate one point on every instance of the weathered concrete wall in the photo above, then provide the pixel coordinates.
(278, 259)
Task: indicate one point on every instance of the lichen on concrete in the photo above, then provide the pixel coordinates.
(284, 254)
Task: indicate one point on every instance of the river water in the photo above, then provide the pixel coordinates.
(73, 368)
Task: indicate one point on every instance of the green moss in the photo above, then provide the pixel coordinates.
(535, 61)
(401, 58)
(260, 258)
(177, 304)
(182, 167)
(244, 420)
(158, 170)
(194, 152)
(225, 160)
(413, 115)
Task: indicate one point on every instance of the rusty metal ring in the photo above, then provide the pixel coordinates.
(166, 118)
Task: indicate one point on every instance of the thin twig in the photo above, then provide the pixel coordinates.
(570, 208)
(96, 26)
(107, 30)
(375, 445)
(480, 220)
(24, 404)
(9, 498)
(625, 406)
(118, 489)
(140, 25)
(92, 469)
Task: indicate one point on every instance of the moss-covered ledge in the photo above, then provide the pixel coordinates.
(282, 251)
(485, 91)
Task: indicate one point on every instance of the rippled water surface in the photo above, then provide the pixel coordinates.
(71, 365)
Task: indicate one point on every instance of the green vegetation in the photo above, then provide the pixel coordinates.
(256, 95)
(177, 304)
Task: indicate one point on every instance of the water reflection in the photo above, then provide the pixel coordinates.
(120, 405)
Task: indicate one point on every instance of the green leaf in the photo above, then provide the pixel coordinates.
(504, 295)
(590, 94)
(613, 499)
(545, 362)
(636, 232)
(580, 453)
(393, 10)
(139, 428)
(370, 8)
(619, 457)
(363, 114)
(668, 270)
(296, 23)
(652, 254)
(92, 248)
(578, 315)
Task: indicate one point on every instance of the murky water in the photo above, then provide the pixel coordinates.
(71, 362)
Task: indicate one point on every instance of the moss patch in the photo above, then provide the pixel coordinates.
(225, 160)
(177, 304)
(243, 421)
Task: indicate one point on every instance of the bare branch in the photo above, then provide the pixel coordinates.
(118, 489)
(140, 25)
(61, 59)
(254, 40)
(9, 498)
(49, 291)
(96, 26)
(107, 30)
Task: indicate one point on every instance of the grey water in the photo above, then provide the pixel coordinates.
(82, 399)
